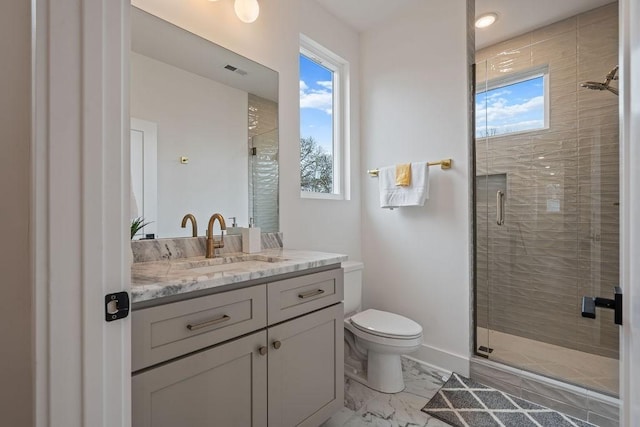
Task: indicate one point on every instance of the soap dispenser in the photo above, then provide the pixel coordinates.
(233, 229)
(251, 239)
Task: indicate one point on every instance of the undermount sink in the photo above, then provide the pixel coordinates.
(229, 263)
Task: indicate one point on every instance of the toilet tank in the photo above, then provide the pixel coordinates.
(352, 286)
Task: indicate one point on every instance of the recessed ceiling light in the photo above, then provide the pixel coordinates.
(483, 21)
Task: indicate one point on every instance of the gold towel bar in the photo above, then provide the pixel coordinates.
(444, 164)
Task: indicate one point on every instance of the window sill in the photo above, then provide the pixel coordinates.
(320, 196)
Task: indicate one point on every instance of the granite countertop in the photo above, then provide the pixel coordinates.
(160, 279)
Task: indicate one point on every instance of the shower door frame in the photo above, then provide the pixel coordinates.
(629, 39)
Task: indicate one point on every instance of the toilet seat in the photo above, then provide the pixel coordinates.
(387, 325)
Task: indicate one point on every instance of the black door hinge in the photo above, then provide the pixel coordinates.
(589, 305)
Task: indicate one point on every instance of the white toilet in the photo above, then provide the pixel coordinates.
(374, 339)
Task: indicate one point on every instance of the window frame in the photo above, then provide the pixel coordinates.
(515, 78)
(339, 67)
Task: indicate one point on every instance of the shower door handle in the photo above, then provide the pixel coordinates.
(589, 305)
(500, 207)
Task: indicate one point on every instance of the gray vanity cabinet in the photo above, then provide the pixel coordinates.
(285, 369)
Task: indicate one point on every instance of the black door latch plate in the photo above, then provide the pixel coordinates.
(116, 306)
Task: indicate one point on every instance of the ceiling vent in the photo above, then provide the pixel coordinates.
(235, 69)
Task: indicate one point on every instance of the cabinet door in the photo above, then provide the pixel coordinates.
(306, 371)
(223, 386)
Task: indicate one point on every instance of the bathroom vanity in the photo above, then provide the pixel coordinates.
(238, 340)
(244, 340)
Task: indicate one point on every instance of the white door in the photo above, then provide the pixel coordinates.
(630, 210)
(80, 211)
(144, 175)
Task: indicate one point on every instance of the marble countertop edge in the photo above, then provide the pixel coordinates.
(160, 279)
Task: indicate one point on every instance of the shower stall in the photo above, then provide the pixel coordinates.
(547, 200)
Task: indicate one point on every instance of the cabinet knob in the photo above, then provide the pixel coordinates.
(262, 350)
(277, 344)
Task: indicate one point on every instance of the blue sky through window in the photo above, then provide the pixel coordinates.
(316, 103)
(511, 108)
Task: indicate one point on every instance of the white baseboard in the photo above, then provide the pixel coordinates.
(442, 359)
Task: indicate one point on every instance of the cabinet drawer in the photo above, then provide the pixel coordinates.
(294, 297)
(171, 330)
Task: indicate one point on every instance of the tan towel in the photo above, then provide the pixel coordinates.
(403, 174)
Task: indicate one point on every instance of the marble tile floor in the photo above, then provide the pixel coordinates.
(367, 407)
(577, 367)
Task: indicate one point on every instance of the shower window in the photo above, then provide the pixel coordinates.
(512, 106)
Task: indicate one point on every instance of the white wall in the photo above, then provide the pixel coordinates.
(334, 226)
(273, 41)
(414, 108)
(205, 121)
(16, 315)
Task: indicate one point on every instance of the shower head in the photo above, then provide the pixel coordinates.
(599, 86)
(594, 85)
(605, 85)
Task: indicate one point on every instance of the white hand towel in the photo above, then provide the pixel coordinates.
(392, 196)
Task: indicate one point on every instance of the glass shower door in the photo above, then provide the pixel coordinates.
(546, 213)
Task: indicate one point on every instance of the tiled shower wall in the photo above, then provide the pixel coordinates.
(263, 179)
(533, 270)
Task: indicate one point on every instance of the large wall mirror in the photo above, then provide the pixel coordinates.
(204, 131)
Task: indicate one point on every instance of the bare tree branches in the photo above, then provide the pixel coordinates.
(316, 167)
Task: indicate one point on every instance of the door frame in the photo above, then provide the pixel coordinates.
(149, 199)
(80, 179)
(629, 102)
(80, 210)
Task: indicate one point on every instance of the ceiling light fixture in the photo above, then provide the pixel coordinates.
(246, 10)
(484, 20)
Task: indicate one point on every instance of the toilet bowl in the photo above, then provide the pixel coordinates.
(375, 339)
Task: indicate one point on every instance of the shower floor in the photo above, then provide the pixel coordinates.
(583, 369)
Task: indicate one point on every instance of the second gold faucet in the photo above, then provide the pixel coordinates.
(194, 224)
(211, 244)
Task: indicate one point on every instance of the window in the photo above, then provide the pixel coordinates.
(322, 135)
(515, 105)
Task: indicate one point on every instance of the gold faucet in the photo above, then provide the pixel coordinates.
(211, 245)
(194, 224)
